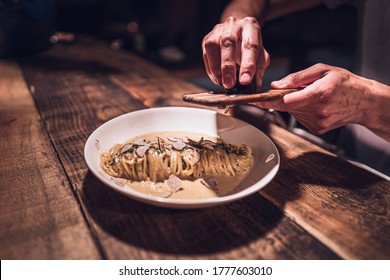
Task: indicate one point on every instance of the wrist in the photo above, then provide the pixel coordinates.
(375, 110)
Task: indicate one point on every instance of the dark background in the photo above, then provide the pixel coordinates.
(303, 38)
(150, 27)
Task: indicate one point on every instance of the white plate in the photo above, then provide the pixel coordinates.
(194, 120)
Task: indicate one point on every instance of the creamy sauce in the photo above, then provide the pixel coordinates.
(191, 189)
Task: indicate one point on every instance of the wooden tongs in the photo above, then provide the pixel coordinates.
(223, 99)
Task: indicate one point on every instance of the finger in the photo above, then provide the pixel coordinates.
(301, 98)
(291, 101)
(205, 58)
(207, 66)
(228, 44)
(301, 78)
(212, 54)
(251, 44)
(254, 52)
(276, 105)
(263, 62)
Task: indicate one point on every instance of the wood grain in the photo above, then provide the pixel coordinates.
(39, 215)
(92, 85)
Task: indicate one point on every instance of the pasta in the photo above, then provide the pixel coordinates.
(156, 159)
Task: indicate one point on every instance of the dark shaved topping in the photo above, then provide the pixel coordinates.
(140, 142)
(210, 182)
(174, 183)
(179, 145)
(127, 147)
(208, 146)
(196, 157)
(141, 146)
(194, 142)
(202, 143)
(141, 150)
(160, 143)
(174, 139)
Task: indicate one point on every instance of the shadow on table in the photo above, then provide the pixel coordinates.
(186, 232)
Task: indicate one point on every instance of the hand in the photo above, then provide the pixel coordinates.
(332, 98)
(236, 41)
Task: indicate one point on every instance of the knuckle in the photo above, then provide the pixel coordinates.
(294, 77)
(325, 95)
(210, 42)
(251, 45)
(228, 40)
(251, 20)
(324, 98)
(231, 19)
(322, 115)
(323, 67)
(248, 67)
(217, 27)
(320, 65)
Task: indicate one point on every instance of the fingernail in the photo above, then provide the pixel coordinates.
(245, 78)
(228, 81)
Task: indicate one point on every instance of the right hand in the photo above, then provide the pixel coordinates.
(236, 41)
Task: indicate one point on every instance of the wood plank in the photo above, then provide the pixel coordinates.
(75, 98)
(345, 207)
(252, 228)
(39, 215)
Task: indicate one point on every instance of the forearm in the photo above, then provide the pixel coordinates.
(377, 113)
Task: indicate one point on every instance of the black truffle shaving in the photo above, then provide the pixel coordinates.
(242, 89)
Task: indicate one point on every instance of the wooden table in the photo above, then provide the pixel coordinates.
(317, 207)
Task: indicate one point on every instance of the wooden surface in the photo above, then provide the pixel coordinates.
(52, 207)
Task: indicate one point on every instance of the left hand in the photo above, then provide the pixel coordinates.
(332, 98)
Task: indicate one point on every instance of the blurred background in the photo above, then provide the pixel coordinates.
(169, 33)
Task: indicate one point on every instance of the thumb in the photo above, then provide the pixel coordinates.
(290, 81)
(279, 84)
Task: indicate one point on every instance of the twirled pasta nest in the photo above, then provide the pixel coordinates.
(156, 160)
